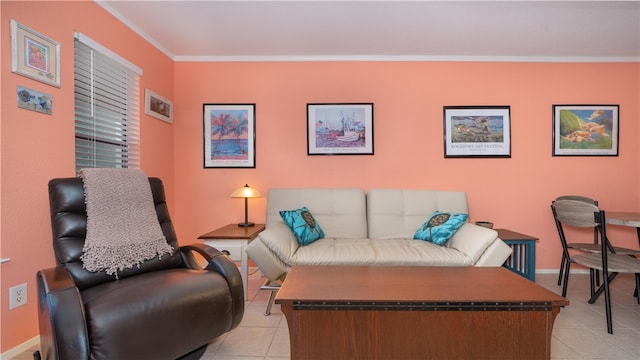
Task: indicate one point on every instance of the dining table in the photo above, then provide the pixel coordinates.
(624, 218)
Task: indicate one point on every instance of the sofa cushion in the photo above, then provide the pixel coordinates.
(397, 213)
(303, 225)
(387, 252)
(342, 212)
(440, 227)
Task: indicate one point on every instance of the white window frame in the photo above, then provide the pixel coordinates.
(107, 107)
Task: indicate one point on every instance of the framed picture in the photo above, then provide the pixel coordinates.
(229, 135)
(340, 129)
(34, 100)
(477, 131)
(157, 106)
(585, 130)
(34, 55)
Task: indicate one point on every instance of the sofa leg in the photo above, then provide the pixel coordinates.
(273, 288)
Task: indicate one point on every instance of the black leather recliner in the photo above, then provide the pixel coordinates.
(167, 308)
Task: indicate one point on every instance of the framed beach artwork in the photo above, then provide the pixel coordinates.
(34, 55)
(340, 129)
(229, 135)
(477, 131)
(585, 130)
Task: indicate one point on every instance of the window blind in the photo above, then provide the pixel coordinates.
(106, 108)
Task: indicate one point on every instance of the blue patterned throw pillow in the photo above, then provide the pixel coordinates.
(303, 225)
(440, 227)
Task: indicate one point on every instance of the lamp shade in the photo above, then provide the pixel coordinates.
(245, 192)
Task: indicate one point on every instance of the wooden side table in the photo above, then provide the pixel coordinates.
(523, 258)
(233, 240)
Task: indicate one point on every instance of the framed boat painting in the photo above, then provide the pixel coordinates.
(585, 130)
(340, 129)
(477, 131)
(229, 135)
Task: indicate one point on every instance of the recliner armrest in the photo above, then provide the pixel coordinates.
(63, 332)
(220, 263)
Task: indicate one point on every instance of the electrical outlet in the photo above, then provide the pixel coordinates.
(17, 296)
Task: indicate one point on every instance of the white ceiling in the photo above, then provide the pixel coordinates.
(386, 30)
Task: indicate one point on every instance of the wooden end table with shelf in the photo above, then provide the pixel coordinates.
(232, 240)
(523, 258)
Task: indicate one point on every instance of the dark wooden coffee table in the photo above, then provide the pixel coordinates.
(394, 312)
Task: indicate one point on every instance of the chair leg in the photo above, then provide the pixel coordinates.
(592, 281)
(607, 302)
(565, 282)
(562, 261)
(635, 293)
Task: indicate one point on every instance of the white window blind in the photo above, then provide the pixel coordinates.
(106, 108)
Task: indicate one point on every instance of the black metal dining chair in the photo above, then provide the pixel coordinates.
(583, 247)
(608, 261)
(565, 262)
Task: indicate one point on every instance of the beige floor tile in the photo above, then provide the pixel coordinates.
(280, 347)
(562, 351)
(247, 341)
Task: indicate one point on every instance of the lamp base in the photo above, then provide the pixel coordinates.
(246, 224)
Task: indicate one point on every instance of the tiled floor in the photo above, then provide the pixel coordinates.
(580, 330)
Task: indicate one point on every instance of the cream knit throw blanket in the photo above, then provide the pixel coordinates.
(122, 224)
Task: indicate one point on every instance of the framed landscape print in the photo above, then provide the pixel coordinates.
(34, 55)
(477, 131)
(229, 135)
(585, 130)
(340, 129)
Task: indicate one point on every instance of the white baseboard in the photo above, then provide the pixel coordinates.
(11, 353)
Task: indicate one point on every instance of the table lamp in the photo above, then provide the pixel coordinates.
(246, 192)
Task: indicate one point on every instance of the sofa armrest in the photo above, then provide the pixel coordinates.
(220, 263)
(281, 240)
(63, 333)
(472, 240)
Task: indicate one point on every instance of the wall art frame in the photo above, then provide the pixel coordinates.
(477, 131)
(586, 130)
(158, 106)
(229, 135)
(34, 55)
(340, 129)
(33, 100)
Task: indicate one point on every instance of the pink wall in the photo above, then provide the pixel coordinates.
(408, 98)
(37, 147)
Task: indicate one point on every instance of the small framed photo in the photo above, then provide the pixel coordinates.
(585, 130)
(34, 100)
(34, 55)
(157, 106)
(477, 131)
(340, 129)
(229, 135)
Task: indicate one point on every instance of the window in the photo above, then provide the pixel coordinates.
(106, 107)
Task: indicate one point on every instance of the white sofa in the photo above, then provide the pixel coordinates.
(375, 228)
